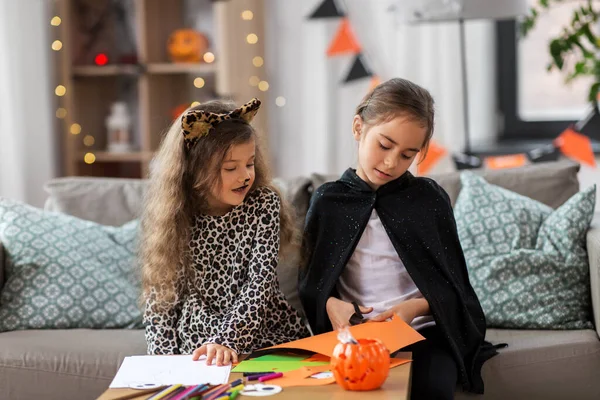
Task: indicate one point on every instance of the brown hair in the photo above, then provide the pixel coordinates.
(180, 182)
(399, 97)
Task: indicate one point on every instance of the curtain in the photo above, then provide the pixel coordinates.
(26, 145)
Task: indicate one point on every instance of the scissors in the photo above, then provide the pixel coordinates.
(357, 317)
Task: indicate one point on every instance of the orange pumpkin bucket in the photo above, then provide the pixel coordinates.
(362, 364)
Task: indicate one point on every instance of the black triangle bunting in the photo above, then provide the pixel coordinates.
(327, 9)
(590, 124)
(358, 70)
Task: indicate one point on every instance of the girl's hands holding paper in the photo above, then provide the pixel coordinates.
(339, 312)
(407, 310)
(220, 354)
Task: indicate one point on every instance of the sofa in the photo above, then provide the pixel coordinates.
(80, 363)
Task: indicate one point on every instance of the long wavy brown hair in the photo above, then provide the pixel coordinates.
(180, 182)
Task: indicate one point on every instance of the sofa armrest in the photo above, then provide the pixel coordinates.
(593, 248)
(2, 258)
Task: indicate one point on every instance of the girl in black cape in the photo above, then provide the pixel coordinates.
(380, 241)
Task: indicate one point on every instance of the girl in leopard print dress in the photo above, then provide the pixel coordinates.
(212, 229)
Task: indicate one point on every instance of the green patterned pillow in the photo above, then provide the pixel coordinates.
(64, 272)
(527, 262)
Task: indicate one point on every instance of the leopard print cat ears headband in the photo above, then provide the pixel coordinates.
(198, 123)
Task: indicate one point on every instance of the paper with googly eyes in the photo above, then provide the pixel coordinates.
(260, 390)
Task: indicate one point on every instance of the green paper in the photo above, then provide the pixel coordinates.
(274, 366)
(280, 357)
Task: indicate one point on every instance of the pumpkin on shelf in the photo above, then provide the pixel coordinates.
(187, 45)
(362, 364)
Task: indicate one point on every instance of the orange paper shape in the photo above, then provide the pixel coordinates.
(302, 377)
(318, 358)
(510, 161)
(576, 146)
(434, 154)
(394, 334)
(344, 42)
(394, 362)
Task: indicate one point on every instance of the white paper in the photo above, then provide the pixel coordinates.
(169, 370)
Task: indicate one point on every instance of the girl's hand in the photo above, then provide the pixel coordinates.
(339, 312)
(221, 354)
(407, 310)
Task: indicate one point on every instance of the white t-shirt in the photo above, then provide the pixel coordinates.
(375, 276)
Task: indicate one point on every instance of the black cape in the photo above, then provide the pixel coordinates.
(417, 216)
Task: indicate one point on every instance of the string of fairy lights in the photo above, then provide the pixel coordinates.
(258, 61)
(61, 112)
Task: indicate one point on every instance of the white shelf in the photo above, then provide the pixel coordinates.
(182, 68)
(105, 156)
(106, 70)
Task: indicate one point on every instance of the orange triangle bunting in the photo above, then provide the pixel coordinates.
(576, 146)
(434, 154)
(344, 42)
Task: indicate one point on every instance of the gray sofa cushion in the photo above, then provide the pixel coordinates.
(63, 364)
(542, 365)
(107, 201)
(551, 183)
(294, 192)
(111, 201)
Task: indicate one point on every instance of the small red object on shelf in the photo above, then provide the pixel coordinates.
(101, 59)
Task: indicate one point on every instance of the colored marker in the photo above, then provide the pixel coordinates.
(165, 393)
(256, 376)
(184, 394)
(175, 394)
(222, 389)
(269, 377)
(196, 390)
(238, 387)
(246, 374)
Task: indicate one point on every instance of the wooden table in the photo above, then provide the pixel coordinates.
(397, 386)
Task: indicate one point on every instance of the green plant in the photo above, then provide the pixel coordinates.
(576, 51)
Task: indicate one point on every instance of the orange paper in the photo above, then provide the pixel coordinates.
(318, 358)
(510, 161)
(394, 334)
(302, 376)
(344, 42)
(434, 154)
(576, 146)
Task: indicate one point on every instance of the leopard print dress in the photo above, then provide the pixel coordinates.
(232, 297)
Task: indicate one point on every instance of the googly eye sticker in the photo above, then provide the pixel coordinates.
(260, 390)
(140, 385)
